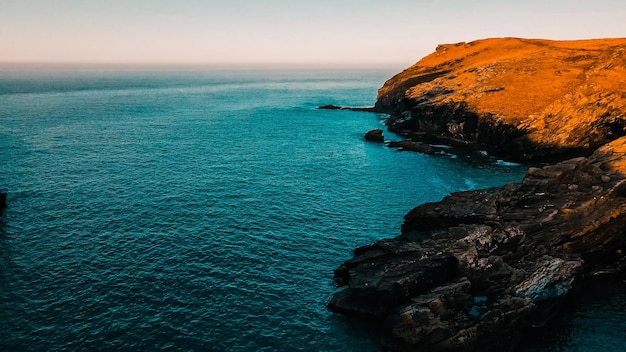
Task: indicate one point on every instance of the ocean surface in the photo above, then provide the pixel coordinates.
(201, 208)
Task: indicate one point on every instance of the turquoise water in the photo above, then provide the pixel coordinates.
(198, 209)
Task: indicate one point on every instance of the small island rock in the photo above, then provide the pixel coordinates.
(375, 136)
(330, 107)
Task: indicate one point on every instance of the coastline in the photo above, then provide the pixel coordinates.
(472, 271)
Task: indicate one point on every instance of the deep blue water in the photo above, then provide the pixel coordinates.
(198, 209)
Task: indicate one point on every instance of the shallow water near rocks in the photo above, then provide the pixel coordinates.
(198, 209)
(593, 320)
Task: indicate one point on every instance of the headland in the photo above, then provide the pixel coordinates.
(476, 269)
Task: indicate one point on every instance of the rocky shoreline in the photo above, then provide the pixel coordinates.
(475, 270)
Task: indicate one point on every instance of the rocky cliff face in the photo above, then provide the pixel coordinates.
(474, 270)
(516, 98)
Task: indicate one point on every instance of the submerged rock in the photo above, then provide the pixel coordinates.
(472, 271)
(519, 99)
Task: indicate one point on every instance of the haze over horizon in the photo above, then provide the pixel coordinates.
(281, 31)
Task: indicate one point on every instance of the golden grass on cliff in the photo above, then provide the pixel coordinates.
(552, 89)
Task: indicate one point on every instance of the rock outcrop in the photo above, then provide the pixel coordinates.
(472, 271)
(520, 99)
(337, 107)
(374, 135)
(331, 107)
(412, 146)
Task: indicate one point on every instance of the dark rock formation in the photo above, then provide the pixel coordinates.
(474, 270)
(516, 98)
(3, 200)
(330, 107)
(409, 145)
(374, 135)
(336, 107)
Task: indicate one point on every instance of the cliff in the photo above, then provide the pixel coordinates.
(516, 98)
(476, 269)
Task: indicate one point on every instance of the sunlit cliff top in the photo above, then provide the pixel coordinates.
(556, 91)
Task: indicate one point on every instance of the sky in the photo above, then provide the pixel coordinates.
(282, 31)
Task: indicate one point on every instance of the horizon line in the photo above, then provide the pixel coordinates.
(263, 64)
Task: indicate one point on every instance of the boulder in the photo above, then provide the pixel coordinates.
(374, 136)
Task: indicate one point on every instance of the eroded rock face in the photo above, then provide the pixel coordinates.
(473, 270)
(516, 98)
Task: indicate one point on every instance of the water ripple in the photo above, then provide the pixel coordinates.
(166, 216)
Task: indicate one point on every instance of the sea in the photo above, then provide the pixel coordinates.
(204, 208)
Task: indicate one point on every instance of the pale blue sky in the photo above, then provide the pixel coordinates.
(266, 31)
